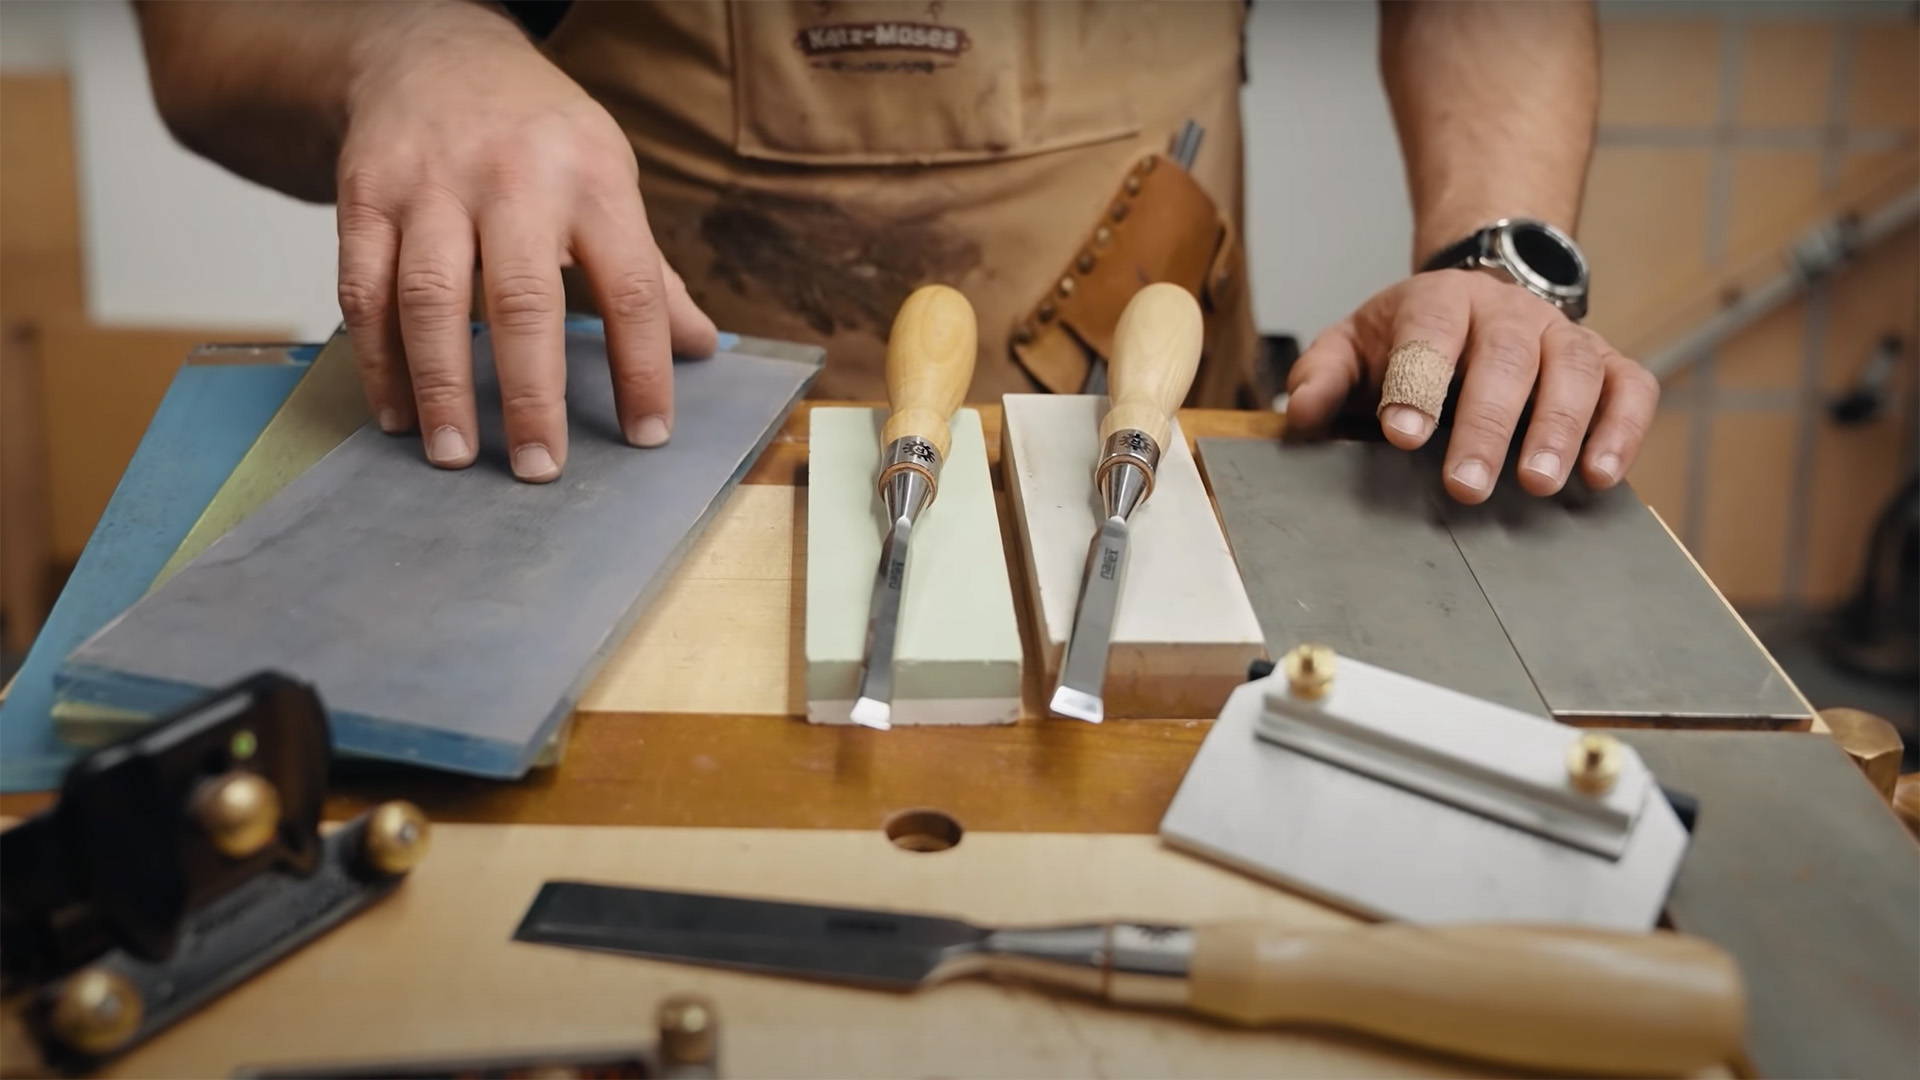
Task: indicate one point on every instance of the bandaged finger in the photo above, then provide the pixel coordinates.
(1417, 376)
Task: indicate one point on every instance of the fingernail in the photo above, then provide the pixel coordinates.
(390, 421)
(648, 431)
(1608, 466)
(532, 462)
(1407, 420)
(1546, 463)
(447, 447)
(1471, 473)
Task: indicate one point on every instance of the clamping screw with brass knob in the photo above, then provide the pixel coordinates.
(396, 838)
(239, 811)
(95, 1012)
(1309, 670)
(1593, 763)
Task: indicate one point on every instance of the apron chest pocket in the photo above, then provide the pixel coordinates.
(888, 83)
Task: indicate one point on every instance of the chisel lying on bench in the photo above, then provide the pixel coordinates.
(1540, 997)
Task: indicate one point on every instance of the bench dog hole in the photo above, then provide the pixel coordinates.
(923, 830)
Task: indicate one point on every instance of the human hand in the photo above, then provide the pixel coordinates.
(464, 144)
(1590, 403)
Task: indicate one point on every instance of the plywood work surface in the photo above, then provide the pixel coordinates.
(432, 971)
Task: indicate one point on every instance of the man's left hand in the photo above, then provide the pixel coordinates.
(1591, 405)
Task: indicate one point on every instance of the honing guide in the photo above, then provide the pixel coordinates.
(1578, 605)
(452, 618)
(1399, 799)
(957, 660)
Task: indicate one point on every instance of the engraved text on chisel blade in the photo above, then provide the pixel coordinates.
(875, 707)
(1083, 673)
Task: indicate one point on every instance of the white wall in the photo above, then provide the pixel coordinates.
(1328, 223)
(171, 239)
(174, 240)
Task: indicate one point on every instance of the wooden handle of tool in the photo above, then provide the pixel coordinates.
(929, 364)
(1546, 998)
(1156, 350)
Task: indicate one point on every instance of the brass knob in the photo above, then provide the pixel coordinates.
(96, 1012)
(1133, 185)
(396, 838)
(1593, 763)
(1119, 211)
(1309, 671)
(1102, 236)
(688, 1031)
(239, 810)
(1872, 743)
(1084, 263)
(1066, 286)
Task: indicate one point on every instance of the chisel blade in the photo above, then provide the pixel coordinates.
(1083, 673)
(875, 707)
(872, 948)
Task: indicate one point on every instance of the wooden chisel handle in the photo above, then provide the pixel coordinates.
(1156, 350)
(929, 364)
(1546, 998)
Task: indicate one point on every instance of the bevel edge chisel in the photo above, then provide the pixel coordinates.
(1156, 351)
(930, 357)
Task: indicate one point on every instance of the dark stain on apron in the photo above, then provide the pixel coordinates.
(834, 267)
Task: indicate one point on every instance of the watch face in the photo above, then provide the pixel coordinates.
(1546, 253)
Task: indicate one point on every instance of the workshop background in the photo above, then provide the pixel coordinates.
(1728, 132)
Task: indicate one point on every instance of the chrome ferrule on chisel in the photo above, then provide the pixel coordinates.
(1125, 473)
(1125, 963)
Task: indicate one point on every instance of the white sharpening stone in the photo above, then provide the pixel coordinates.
(1185, 631)
(957, 659)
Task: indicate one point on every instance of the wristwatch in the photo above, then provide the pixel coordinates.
(1532, 254)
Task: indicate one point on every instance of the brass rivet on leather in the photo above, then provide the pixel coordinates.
(1084, 263)
(1022, 334)
(1119, 211)
(1045, 313)
(1102, 236)
(1066, 286)
(1133, 185)
(1147, 163)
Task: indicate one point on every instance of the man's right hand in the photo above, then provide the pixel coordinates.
(461, 145)
(464, 144)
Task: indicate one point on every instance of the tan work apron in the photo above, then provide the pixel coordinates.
(807, 164)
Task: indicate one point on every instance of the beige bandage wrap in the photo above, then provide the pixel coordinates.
(1417, 375)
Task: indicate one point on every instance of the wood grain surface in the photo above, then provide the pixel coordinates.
(434, 972)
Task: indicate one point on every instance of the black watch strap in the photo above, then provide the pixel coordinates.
(1457, 253)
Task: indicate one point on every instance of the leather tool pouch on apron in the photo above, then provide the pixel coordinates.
(1159, 226)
